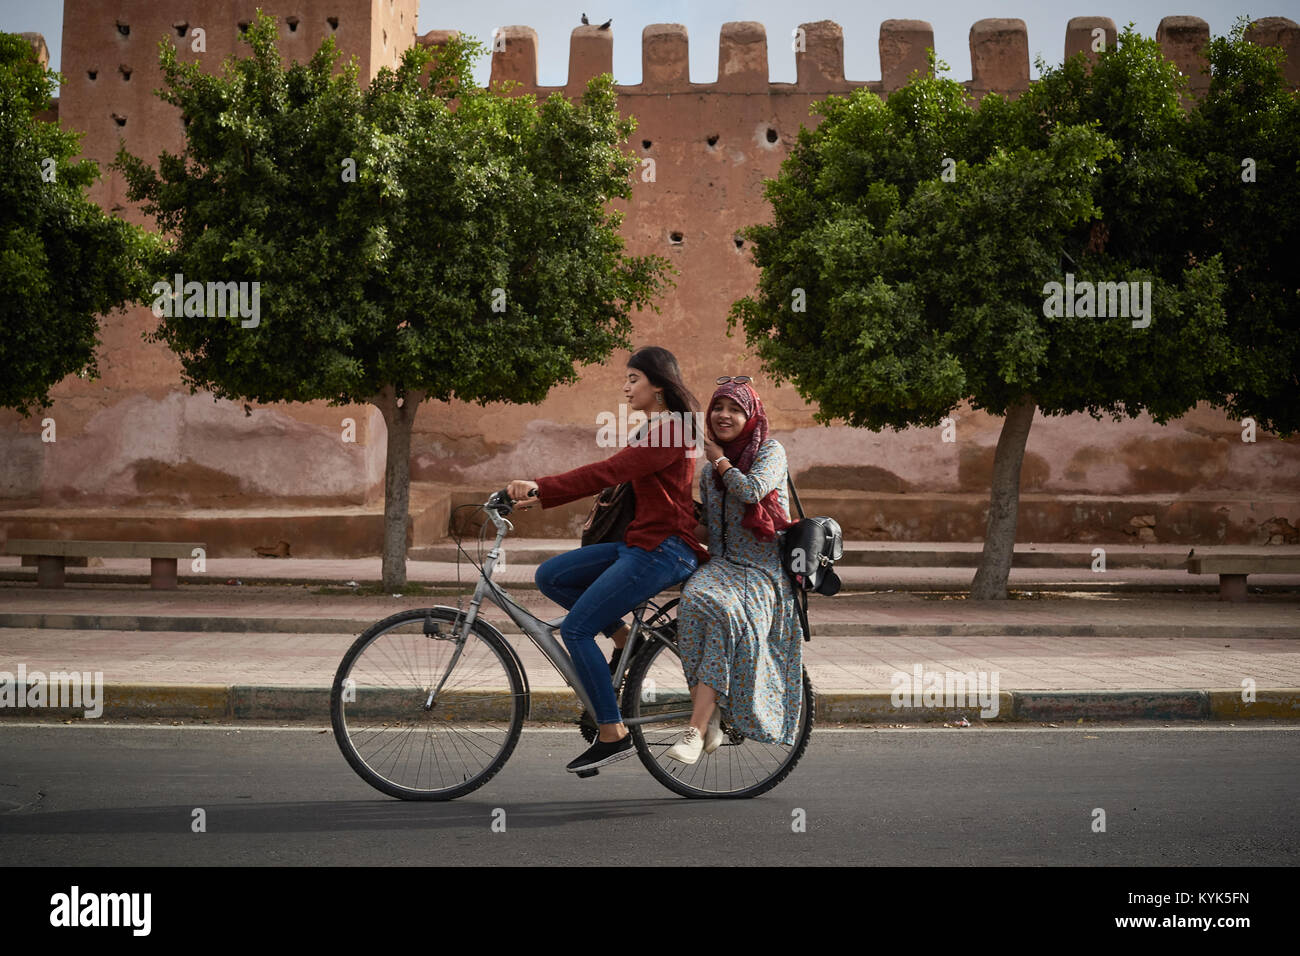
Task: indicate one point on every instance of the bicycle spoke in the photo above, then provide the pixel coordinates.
(734, 769)
(389, 736)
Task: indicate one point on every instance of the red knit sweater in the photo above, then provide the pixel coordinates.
(661, 478)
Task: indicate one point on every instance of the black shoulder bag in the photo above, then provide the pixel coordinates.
(809, 550)
(613, 511)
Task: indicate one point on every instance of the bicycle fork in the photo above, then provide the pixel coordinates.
(460, 633)
(431, 631)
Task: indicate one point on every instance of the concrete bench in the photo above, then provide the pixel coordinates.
(51, 557)
(1233, 568)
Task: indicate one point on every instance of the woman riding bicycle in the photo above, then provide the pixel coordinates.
(738, 629)
(600, 583)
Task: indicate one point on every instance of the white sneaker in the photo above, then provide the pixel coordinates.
(687, 750)
(713, 735)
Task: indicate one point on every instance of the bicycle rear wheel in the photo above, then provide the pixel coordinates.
(388, 731)
(740, 768)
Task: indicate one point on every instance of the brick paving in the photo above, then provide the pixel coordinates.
(834, 663)
(1140, 641)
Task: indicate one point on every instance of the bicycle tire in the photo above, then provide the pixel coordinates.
(392, 669)
(730, 772)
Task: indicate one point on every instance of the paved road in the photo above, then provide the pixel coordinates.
(92, 795)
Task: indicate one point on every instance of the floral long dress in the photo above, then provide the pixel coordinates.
(738, 629)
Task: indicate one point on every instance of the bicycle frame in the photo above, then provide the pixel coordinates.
(541, 633)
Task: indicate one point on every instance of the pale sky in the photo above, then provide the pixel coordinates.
(1046, 20)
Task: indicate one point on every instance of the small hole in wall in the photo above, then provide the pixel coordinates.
(181, 28)
(125, 71)
(333, 22)
(293, 24)
(771, 135)
(93, 74)
(675, 238)
(739, 241)
(645, 144)
(243, 26)
(123, 29)
(713, 140)
(119, 120)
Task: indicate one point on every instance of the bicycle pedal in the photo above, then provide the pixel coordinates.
(584, 774)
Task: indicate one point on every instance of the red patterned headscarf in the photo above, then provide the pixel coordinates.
(765, 518)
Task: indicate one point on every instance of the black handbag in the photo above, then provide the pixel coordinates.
(809, 550)
(613, 511)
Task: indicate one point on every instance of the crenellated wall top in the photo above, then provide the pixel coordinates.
(999, 54)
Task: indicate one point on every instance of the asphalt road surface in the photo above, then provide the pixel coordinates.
(89, 795)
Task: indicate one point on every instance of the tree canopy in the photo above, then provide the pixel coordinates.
(389, 277)
(1246, 134)
(922, 290)
(63, 262)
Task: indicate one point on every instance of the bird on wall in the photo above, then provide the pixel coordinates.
(585, 21)
(605, 25)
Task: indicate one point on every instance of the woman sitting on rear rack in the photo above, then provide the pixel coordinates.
(738, 629)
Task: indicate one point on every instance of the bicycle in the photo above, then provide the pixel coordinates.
(446, 682)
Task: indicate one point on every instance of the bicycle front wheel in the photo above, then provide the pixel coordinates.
(420, 716)
(740, 768)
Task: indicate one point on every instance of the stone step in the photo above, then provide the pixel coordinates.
(342, 531)
(911, 554)
(900, 521)
(963, 517)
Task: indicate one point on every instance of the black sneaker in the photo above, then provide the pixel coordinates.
(600, 754)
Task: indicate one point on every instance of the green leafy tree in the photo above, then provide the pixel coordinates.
(913, 242)
(63, 262)
(1246, 133)
(471, 256)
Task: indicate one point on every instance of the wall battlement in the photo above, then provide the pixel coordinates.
(999, 54)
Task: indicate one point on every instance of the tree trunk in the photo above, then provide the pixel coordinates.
(397, 480)
(1004, 504)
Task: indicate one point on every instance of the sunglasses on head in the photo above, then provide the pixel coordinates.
(738, 379)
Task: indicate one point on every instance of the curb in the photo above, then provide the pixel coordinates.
(310, 625)
(255, 702)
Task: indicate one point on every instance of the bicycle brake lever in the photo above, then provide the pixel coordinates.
(501, 502)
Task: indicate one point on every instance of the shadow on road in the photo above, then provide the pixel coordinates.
(306, 817)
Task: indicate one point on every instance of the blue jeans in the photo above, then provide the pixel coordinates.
(598, 584)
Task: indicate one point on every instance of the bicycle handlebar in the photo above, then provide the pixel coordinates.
(503, 503)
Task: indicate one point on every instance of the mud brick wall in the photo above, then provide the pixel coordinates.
(136, 435)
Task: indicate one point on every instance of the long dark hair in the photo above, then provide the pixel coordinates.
(660, 366)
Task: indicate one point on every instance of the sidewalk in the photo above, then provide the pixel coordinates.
(261, 651)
